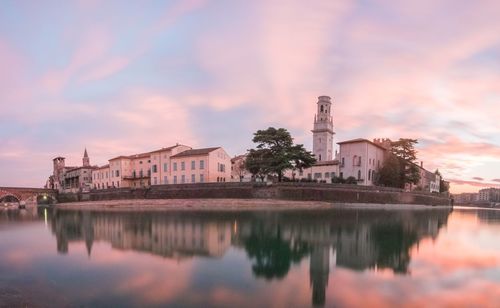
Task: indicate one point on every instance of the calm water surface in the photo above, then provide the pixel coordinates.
(341, 258)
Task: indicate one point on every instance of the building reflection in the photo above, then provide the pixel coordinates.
(490, 216)
(273, 241)
(169, 236)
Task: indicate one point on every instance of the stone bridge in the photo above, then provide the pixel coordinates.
(18, 194)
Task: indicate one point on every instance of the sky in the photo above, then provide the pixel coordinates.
(124, 77)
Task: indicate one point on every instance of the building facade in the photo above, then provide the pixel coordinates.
(429, 181)
(361, 159)
(178, 164)
(489, 195)
(71, 178)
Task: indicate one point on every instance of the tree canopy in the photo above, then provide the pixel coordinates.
(275, 153)
(400, 167)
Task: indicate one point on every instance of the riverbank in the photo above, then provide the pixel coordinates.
(223, 205)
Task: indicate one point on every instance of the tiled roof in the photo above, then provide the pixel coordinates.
(146, 154)
(195, 152)
(361, 140)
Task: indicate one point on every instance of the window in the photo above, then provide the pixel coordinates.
(202, 164)
(154, 168)
(341, 175)
(202, 178)
(301, 172)
(117, 173)
(175, 166)
(183, 178)
(193, 165)
(165, 180)
(175, 179)
(193, 180)
(359, 174)
(369, 174)
(343, 161)
(183, 166)
(322, 108)
(327, 175)
(118, 183)
(319, 157)
(165, 167)
(317, 175)
(140, 174)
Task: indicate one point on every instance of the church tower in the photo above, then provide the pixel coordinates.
(323, 130)
(86, 160)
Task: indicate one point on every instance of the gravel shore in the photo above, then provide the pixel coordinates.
(222, 205)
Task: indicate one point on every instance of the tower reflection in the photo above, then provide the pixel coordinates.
(273, 241)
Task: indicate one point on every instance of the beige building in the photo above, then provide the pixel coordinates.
(429, 181)
(71, 178)
(489, 195)
(177, 164)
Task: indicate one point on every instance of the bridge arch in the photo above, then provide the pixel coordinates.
(44, 198)
(9, 198)
(24, 194)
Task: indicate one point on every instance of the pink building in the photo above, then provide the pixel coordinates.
(361, 159)
(172, 165)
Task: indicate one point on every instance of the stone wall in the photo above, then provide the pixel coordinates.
(287, 191)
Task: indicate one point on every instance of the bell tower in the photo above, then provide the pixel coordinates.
(86, 160)
(323, 130)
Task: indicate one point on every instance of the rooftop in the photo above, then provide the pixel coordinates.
(195, 152)
(361, 140)
(146, 154)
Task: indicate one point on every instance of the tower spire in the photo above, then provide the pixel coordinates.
(86, 160)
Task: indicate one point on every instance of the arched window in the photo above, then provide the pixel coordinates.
(359, 174)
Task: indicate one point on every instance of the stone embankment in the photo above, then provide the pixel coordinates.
(332, 193)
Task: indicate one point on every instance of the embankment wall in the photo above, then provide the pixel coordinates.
(336, 193)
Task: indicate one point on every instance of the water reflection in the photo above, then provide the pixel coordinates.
(273, 241)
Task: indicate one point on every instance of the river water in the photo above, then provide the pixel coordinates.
(332, 258)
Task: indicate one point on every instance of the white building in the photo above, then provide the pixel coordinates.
(361, 158)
